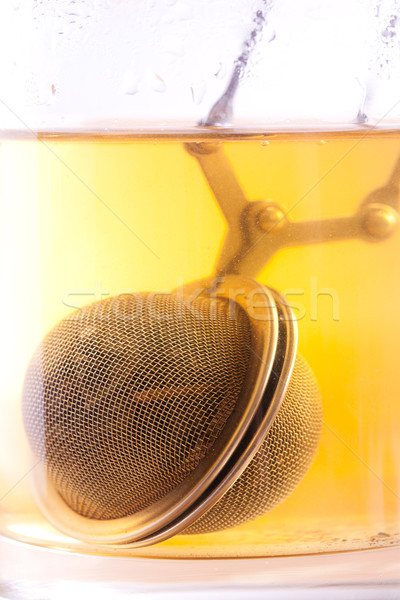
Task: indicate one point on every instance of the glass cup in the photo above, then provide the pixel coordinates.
(145, 146)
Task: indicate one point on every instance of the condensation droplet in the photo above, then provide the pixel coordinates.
(269, 32)
(220, 71)
(388, 34)
(155, 82)
(39, 92)
(198, 90)
(130, 84)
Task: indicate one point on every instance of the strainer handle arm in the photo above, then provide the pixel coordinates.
(371, 223)
(221, 179)
(259, 229)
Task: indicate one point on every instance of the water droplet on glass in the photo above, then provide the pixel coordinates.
(39, 93)
(155, 82)
(389, 32)
(198, 90)
(220, 71)
(130, 84)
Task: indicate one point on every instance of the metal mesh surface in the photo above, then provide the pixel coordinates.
(125, 397)
(280, 463)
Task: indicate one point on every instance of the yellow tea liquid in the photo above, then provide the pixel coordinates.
(84, 217)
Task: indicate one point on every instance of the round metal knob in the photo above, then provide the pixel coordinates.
(380, 220)
(271, 217)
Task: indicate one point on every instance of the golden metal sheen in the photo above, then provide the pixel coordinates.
(142, 424)
(257, 230)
